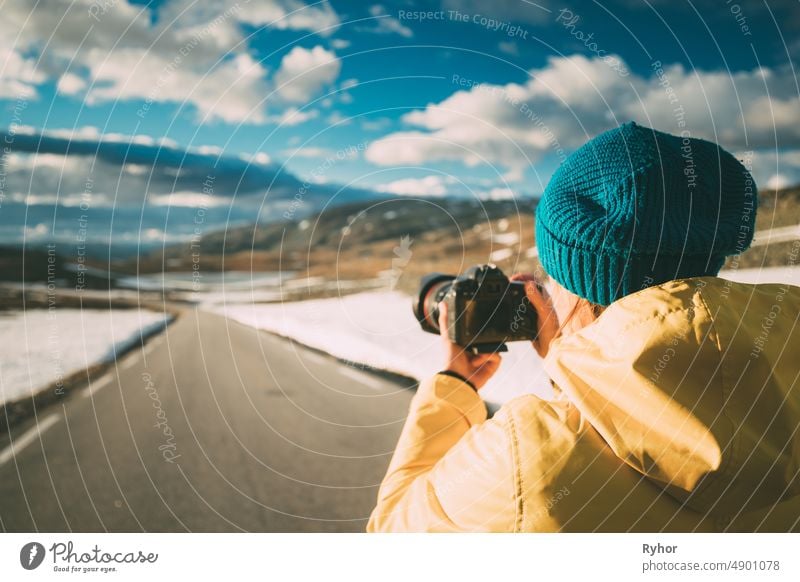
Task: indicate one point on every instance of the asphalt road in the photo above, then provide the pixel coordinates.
(212, 426)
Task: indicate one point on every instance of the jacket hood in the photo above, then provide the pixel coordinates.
(692, 383)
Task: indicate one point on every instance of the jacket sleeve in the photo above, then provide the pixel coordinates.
(452, 469)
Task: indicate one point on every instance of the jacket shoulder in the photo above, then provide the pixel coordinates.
(655, 303)
(543, 435)
(706, 362)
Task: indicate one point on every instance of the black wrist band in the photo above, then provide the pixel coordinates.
(458, 376)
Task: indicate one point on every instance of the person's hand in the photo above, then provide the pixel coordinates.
(477, 368)
(546, 318)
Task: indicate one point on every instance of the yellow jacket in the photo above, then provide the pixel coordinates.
(677, 410)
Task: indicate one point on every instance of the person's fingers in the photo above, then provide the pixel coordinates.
(529, 278)
(542, 303)
(536, 293)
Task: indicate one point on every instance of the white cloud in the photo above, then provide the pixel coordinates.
(336, 118)
(742, 109)
(70, 84)
(294, 116)
(497, 194)
(184, 52)
(86, 132)
(291, 14)
(39, 231)
(386, 24)
(340, 43)
(303, 72)
(91, 133)
(137, 169)
(778, 181)
(773, 168)
(309, 152)
(574, 98)
(427, 186)
(261, 158)
(232, 90)
(98, 172)
(418, 148)
(19, 74)
(191, 199)
(533, 11)
(208, 150)
(509, 47)
(55, 163)
(375, 124)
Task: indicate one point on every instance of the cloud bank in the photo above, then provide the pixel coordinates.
(184, 52)
(574, 98)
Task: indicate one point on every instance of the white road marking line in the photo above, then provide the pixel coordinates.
(361, 378)
(101, 382)
(18, 444)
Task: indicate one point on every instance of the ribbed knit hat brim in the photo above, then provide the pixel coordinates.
(602, 276)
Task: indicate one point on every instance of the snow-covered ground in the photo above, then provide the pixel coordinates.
(790, 275)
(211, 287)
(227, 287)
(378, 329)
(42, 347)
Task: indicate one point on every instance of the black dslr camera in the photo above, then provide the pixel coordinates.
(484, 309)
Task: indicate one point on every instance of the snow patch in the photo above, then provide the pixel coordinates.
(508, 238)
(41, 347)
(500, 255)
(790, 275)
(378, 329)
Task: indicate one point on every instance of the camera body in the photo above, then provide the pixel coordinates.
(484, 309)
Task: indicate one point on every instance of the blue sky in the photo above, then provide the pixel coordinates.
(458, 97)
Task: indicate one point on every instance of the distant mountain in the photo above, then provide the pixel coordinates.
(391, 241)
(116, 196)
(362, 241)
(367, 240)
(776, 209)
(48, 266)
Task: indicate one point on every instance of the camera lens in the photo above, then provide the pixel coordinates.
(432, 290)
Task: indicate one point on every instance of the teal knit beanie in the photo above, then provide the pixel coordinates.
(635, 207)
